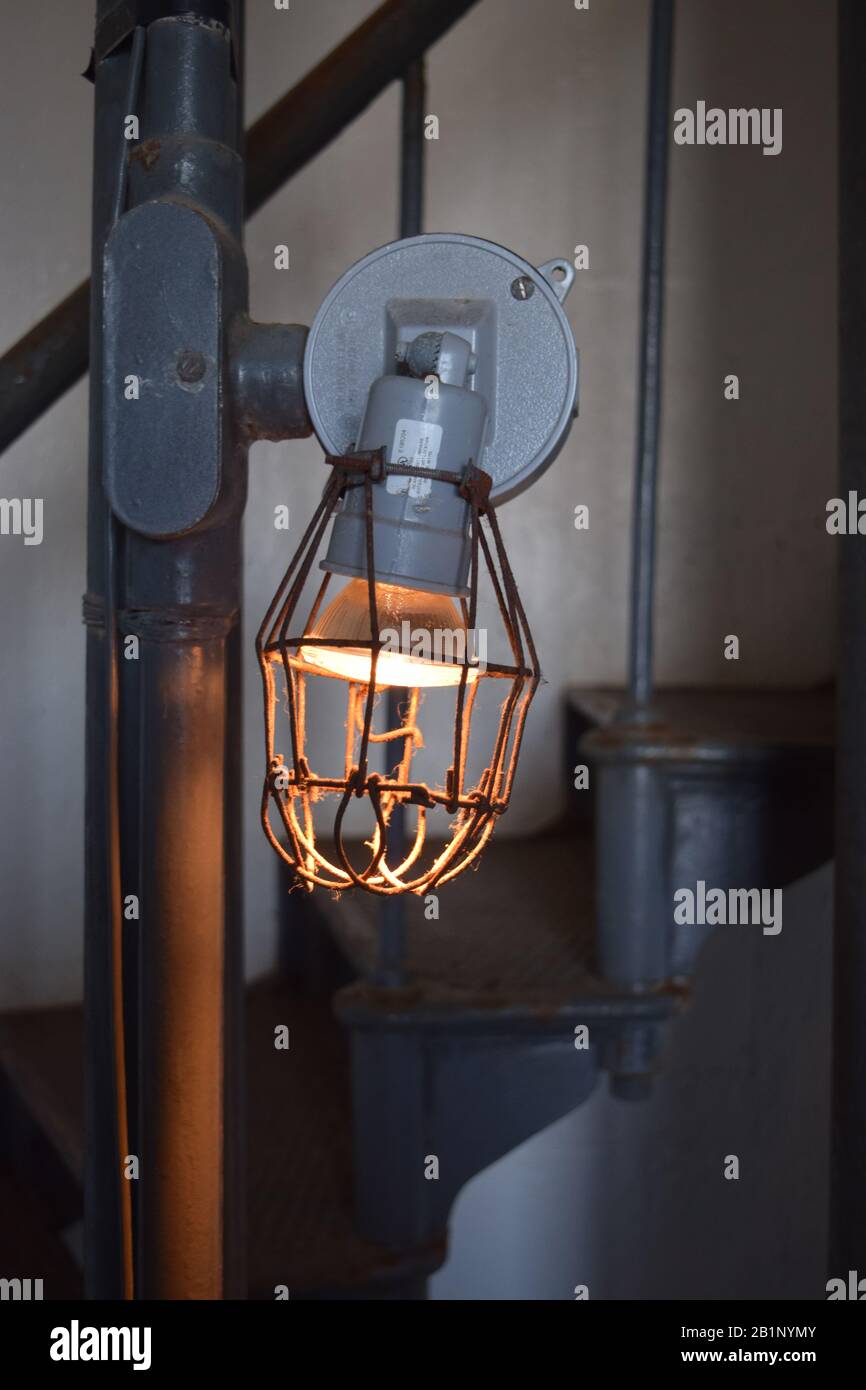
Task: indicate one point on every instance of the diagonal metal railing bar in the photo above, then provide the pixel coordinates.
(343, 85)
(49, 359)
(38, 369)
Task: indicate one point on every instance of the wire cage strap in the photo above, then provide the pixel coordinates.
(473, 484)
(294, 791)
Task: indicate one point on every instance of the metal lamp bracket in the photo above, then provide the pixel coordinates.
(524, 361)
(560, 276)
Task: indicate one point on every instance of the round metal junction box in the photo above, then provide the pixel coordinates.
(523, 352)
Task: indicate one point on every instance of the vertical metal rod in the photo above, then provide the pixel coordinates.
(392, 939)
(103, 1212)
(649, 372)
(848, 1144)
(412, 149)
(112, 759)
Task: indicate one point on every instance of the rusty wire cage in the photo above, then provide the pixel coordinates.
(294, 791)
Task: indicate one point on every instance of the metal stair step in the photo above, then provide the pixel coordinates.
(301, 1228)
(767, 719)
(514, 936)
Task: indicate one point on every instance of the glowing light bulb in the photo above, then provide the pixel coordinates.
(425, 637)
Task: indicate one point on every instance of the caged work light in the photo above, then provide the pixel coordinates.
(441, 376)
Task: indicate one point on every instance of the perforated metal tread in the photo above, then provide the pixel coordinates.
(516, 932)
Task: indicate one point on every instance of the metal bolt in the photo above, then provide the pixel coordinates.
(523, 287)
(191, 366)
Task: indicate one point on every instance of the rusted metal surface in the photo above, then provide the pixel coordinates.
(37, 370)
(147, 153)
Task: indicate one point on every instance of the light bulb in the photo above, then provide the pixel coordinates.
(425, 637)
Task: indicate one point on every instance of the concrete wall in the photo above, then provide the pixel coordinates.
(541, 111)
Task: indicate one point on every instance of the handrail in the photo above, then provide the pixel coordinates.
(53, 355)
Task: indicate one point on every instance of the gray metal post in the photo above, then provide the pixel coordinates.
(176, 398)
(186, 382)
(181, 600)
(848, 1187)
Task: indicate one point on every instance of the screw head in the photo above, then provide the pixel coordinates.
(523, 287)
(191, 366)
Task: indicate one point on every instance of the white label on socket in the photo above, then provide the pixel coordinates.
(416, 445)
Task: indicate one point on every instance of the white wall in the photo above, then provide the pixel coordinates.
(45, 118)
(631, 1198)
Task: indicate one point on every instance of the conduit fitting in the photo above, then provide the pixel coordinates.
(267, 375)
